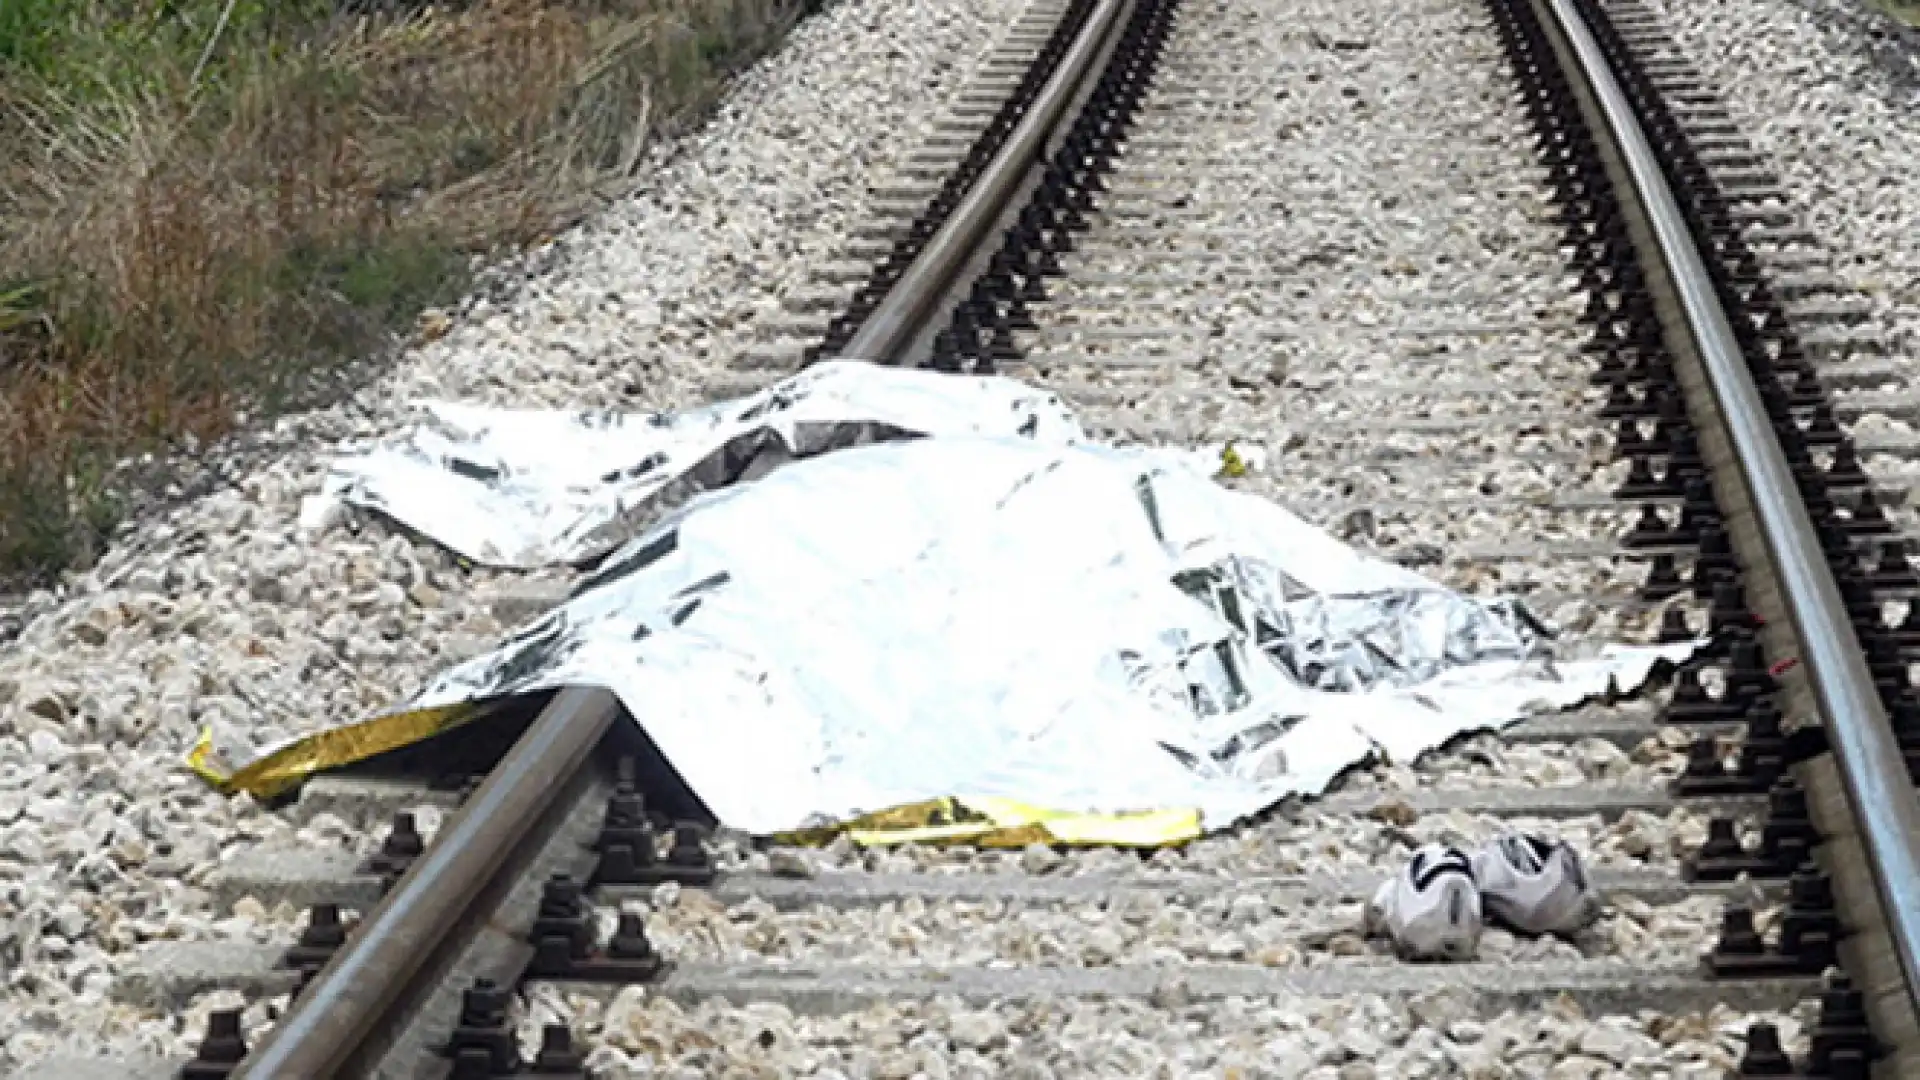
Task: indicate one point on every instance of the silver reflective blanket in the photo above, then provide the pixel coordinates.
(995, 609)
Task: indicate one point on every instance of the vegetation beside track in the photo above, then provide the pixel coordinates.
(1907, 11)
(206, 206)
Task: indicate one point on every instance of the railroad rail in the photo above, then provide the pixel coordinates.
(1733, 453)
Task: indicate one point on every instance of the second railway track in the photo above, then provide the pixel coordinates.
(1526, 392)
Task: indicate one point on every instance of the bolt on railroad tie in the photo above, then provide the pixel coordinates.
(1622, 401)
(1611, 369)
(1627, 439)
(1862, 606)
(1705, 772)
(1650, 531)
(482, 1044)
(1764, 1055)
(397, 852)
(1810, 930)
(1767, 737)
(1683, 456)
(1804, 391)
(1698, 511)
(1728, 611)
(1892, 570)
(563, 941)
(1713, 564)
(1707, 775)
(319, 939)
(1885, 665)
(1690, 703)
(558, 1056)
(1864, 516)
(1823, 428)
(1653, 367)
(1785, 839)
(945, 356)
(1835, 544)
(1001, 348)
(1674, 627)
(1845, 470)
(1670, 417)
(1643, 483)
(1663, 580)
(562, 932)
(688, 858)
(1748, 676)
(1843, 1044)
(1741, 951)
(1596, 253)
(221, 1051)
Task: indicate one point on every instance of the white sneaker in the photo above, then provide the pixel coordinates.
(1430, 909)
(1533, 885)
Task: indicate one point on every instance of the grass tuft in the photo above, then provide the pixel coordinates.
(207, 202)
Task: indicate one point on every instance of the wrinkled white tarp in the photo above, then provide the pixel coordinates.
(531, 488)
(999, 610)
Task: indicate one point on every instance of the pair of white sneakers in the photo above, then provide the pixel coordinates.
(1434, 908)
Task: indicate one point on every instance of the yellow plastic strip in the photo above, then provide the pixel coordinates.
(994, 822)
(288, 766)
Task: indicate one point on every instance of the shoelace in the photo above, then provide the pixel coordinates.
(1425, 873)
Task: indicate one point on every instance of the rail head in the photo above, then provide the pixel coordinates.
(901, 316)
(1871, 766)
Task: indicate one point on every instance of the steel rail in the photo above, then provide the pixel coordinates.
(352, 993)
(1886, 809)
(901, 315)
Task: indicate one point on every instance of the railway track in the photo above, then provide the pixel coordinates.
(1131, 201)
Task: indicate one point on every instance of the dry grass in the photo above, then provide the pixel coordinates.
(1907, 11)
(193, 227)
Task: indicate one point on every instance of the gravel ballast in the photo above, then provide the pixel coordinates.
(1308, 1039)
(1367, 243)
(224, 611)
(1829, 93)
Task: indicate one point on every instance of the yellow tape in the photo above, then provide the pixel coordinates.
(1004, 823)
(982, 822)
(286, 767)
